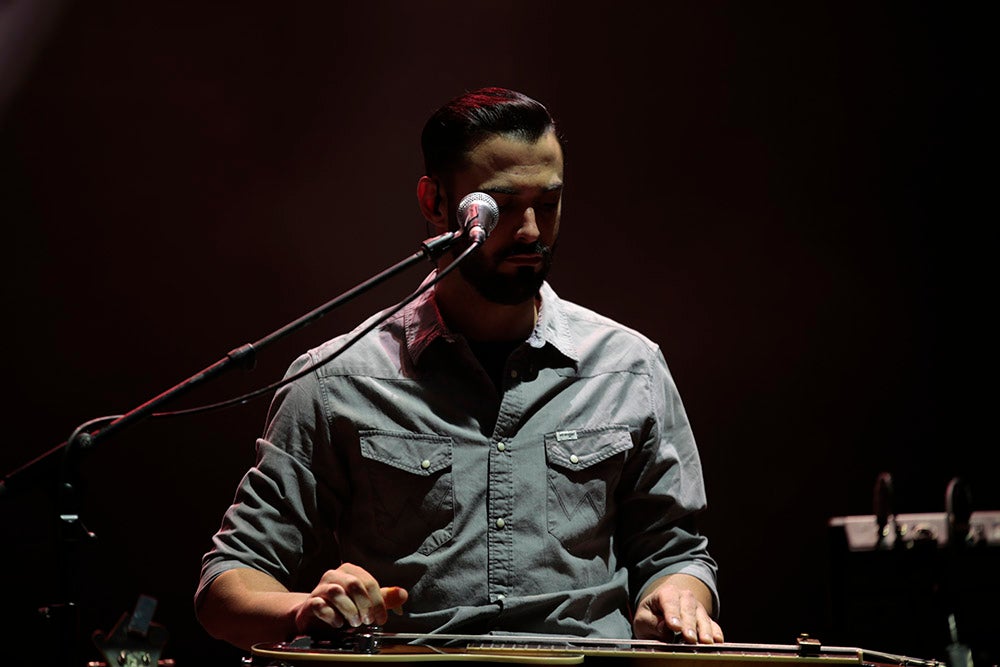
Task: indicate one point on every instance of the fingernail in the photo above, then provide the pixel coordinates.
(398, 611)
(674, 620)
(690, 633)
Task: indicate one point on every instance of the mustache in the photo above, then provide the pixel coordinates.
(536, 248)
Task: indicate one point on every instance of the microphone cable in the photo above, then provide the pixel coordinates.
(257, 393)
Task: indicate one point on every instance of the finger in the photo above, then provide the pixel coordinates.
(367, 598)
(717, 633)
(646, 624)
(325, 613)
(337, 598)
(367, 595)
(659, 617)
(393, 597)
(706, 627)
(689, 617)
(351, 604)
(316, 613)
(669, 609)
(355, 593)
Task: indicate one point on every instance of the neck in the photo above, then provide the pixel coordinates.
(467, 312)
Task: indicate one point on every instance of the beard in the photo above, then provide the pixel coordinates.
(508, 290)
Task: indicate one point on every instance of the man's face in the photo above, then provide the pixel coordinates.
(526, 180)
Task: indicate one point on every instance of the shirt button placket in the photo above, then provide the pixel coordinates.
(500, 495)
(500, 537)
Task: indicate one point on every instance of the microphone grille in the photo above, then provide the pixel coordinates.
(487, 213)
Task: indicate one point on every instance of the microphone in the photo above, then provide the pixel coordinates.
(958, 508)
(882, 501)
(478, 214)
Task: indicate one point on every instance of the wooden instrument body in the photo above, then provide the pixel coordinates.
(408, 649)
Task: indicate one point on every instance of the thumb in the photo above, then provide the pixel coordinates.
(646, 624)
(394, 597)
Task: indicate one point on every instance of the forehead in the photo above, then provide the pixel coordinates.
(507, 161)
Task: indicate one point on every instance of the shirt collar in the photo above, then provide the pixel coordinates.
(552, 326)
(423, 324)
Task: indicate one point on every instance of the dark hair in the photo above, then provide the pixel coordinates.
(461, 124)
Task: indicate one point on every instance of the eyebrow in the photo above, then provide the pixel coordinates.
(504, 190)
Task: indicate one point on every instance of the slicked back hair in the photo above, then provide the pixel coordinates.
(463, 123)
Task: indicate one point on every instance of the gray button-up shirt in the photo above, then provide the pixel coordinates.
(545, 507)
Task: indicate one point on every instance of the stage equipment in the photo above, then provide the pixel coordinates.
(135, 641)
(922, 583)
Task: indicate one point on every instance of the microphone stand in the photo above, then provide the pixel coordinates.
(244, 355)
(71, 531)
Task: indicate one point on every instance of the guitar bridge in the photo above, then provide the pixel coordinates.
(363, 640)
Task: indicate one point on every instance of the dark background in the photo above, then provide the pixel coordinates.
(782, 195)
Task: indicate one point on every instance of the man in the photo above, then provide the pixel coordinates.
(494, 457)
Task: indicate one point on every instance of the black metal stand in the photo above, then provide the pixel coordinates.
(244, 355)
(62, 619)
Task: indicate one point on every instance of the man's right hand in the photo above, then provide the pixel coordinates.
(348, 595)
(244, 606)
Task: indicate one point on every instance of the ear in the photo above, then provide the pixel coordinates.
(433, 202)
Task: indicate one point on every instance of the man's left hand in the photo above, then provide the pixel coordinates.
(677, 605)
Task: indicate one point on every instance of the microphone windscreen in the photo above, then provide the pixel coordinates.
(486, 213)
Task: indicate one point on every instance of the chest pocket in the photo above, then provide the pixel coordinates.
(412, 493)
(583, 471)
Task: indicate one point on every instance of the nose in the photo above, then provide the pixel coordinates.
(527, 229)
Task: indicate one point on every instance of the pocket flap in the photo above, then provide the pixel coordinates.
(579, 449)
(414, 453)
